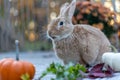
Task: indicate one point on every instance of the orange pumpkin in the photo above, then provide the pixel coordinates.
(11, 69)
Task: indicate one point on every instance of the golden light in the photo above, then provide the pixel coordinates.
(108, 4)
(112, 22)
(53, 15)
(31, 25)
(118, 18)
(32, 36)
(118, 33)
(117, 3)
(99, 26)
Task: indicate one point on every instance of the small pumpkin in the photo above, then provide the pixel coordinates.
(112, 59)
(11, 69)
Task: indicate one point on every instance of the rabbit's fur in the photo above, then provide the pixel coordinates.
(76, 43)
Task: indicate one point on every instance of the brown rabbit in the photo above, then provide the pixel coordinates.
(76, 43)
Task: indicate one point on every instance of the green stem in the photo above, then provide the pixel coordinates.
(114, 49)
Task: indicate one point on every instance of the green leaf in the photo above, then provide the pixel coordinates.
(67, 72)
(43, 74)
(25, 76)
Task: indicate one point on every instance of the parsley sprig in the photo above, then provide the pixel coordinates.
(64, 72)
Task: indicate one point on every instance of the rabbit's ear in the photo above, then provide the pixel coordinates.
(63, 9)
(70, 11)
(67, 10)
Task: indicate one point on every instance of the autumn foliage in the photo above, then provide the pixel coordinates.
(96, 15)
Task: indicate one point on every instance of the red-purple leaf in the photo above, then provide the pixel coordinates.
(96, 75)
(97, 68)
(98, 72)
(109, 71)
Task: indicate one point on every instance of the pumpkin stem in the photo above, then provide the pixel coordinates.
(17, 49)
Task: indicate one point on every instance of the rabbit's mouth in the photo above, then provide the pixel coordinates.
(54, 37)
(60, 37)
(57, 37)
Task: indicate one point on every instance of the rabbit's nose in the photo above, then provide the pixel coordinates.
(53, 37)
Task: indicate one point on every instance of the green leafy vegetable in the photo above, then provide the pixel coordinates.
(67, 72)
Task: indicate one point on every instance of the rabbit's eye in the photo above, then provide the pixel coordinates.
(61, 23)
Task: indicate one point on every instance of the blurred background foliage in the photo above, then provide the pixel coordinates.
(96, 15)
(27, 20)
